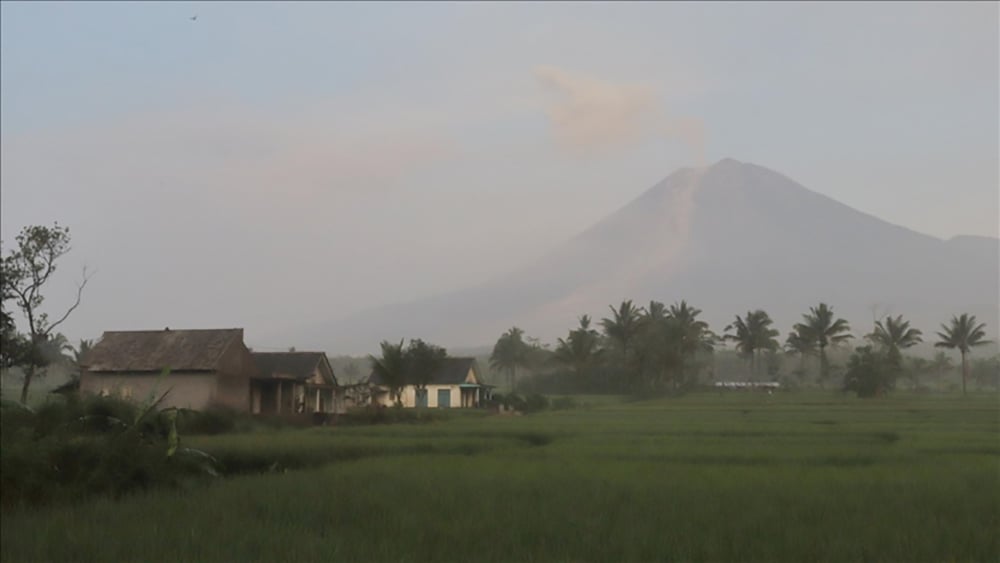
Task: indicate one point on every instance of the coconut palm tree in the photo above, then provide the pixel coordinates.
(753, 334)
(623, 326)
(963, 334)
(581, 349)
(694, 336)
(802, 343)
(510, 353)
(825, 330)
(893, 336)
(391, 369)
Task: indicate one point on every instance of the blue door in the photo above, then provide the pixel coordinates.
(421, 398)
(444, 398)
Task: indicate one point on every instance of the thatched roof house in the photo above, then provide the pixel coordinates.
(206, 367)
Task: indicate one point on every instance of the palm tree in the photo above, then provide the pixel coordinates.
(657, 349)
(963, 334)
(581, 349)
(623, 326)
(391, 369)
(895, 335)
(800, 342)
(509, 353)
(752, 335)
(825, 330)
(81, 351)
(56, 350)
(694, 334)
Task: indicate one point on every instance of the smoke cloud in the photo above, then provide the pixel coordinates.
(589, 115)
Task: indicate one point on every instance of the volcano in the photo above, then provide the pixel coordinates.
(726, 238)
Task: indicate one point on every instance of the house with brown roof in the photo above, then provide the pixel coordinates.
(456, 383)
(207, 367)
(294, 382)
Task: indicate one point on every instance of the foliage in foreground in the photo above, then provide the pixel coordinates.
(95, 446)
(738, 477)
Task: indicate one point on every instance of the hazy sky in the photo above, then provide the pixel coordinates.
(273, 165)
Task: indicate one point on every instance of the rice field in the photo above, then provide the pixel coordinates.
(709, 477)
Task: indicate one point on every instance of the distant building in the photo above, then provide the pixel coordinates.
(207, 367)
(748, 384)
(455, 384)
(294, 382)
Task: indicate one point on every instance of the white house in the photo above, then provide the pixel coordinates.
(455, 384)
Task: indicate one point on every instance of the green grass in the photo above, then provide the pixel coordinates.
(737, 477)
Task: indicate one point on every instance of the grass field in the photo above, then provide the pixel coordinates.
(740, 477)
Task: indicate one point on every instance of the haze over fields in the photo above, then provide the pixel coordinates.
(333, 174)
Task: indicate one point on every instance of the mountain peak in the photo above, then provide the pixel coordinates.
(727, 163)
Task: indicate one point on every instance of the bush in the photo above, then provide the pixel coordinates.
(535, 403)
(98, 445)
(215, 420)
(869, 374)
(563, 403)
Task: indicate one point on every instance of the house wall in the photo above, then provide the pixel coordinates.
(409, 396)
(236, 367)
(187, 390)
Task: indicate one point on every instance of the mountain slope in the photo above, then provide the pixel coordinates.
(726, 238)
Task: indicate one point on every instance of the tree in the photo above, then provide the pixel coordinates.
(391, 369)
(510, 353)
(963, 334)
(658, 348)
(869, 373)
(941, 364)
(753, 334)
(581, 349)
(894, 335)
(623, 326)
(23, 275)
(986, 372)
(913, 367)
(824, 330)
(694, 335)
(800, 342)
(422, 360)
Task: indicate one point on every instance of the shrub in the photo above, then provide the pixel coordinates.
(98, 445)
(563, 403)
(535, 403)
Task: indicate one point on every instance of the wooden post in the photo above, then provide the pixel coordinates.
(278, 399)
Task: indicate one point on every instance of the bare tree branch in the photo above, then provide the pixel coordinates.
(79, 294)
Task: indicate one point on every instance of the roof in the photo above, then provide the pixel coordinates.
(297, 365)
(153, 350)
(70, 387)
(452, 371)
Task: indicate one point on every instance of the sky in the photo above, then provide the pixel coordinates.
(269, 166)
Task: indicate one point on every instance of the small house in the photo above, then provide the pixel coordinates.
(456, 383)
(294, 382)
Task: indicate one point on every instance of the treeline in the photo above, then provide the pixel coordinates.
(658, 349)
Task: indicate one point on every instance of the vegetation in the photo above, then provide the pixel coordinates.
(391, 368)
(753, 334)
(821, 330)
(893, 335)
(870, 373)
(414, 365)
(24, 272)
(737, 477)
(510, 354)
(962, 334)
